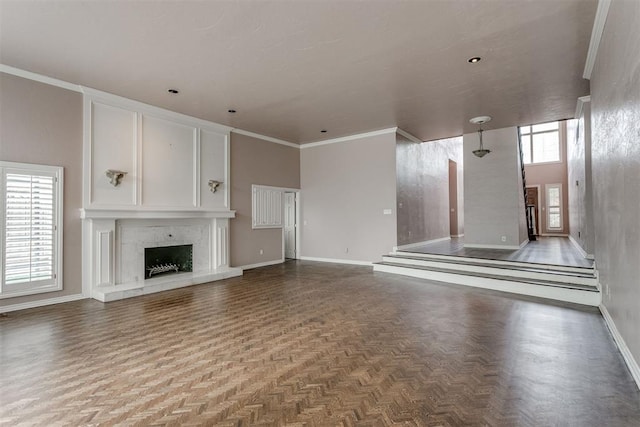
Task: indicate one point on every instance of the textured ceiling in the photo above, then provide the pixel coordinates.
(292, 68)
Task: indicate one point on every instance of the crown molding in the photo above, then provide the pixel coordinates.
(121, 101)
(596, 35)
(265, 138)
(580, 105)
(39, 78)
(349, 138)
(408, 135)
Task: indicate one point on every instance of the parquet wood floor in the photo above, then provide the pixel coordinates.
(310, 344)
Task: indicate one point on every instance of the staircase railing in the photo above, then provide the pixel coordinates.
(527, 212)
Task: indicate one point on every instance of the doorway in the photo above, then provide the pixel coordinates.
(533, 207)
(453, 199)
(290, 229)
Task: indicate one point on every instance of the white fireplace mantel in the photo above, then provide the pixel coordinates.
(153, 214)
(113, 264)
(167, 162)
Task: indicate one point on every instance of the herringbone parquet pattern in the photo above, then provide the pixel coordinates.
(316, 345)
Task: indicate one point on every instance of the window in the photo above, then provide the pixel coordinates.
(540, 143)
(31, 229)
(554, 207)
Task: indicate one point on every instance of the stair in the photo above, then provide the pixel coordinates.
(558, 282)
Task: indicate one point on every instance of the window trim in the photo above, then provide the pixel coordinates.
(31, 288)
(546, 199)
(561, 124)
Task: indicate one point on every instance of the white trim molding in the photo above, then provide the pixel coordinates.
(336, 260)
(264, 138)
(349, 138)
(418, 244)
(408, 135)
(579, 248)
(632, 364)
(39, 78)
(596, 34)
(141, 107)
(580, 105)
(261, 264)
(41, 303)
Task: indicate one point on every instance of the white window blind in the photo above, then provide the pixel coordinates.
(266, 207)
(30, 230)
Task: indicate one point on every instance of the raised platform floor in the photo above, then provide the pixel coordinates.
(545, 250)
(549, 268)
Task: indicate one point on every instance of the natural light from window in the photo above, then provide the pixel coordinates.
(540, 143)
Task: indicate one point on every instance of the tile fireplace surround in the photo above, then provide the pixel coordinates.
(114, 264)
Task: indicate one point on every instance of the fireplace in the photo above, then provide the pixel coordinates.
(167, 260)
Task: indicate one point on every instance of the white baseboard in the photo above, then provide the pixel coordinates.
(417, 244)
(261, 264)
(482, 246)
(336, 260)
(579, 248)
(41, 303)
(553, 235)
(622, 346)
(457, 235)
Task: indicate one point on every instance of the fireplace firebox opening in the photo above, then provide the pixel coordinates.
(167, 260)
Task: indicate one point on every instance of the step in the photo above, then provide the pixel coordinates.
(497, 262)
(528, 271)
(556, 290)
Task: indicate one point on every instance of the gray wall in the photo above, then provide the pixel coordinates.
(345, 188)
(255, 161)
(42, 124)
(492, 190)
(579, 170)
(551, 173)
(422, 186)
(615, 110)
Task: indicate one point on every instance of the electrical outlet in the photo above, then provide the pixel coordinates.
(503, 238)
(346, 250)
(261, 252)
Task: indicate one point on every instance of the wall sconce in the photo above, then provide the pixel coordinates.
(213, 185)
(115, 176)
(480, 152)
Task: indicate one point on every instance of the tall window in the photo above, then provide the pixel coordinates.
(31, 249)
(540, 143)
(554, 207)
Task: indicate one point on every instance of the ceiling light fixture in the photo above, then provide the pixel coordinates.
(474, 60)
(232, 111)
(173, 91)
(480, 120)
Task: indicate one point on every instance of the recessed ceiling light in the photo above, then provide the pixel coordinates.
(323, 131)
(173, 91)
(474, 59)
(232, 111)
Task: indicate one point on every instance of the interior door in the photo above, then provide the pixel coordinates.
(290, 225)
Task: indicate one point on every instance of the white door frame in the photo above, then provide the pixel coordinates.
(539, 223)
(296, 202)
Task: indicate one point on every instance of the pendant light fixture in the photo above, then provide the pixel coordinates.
(480, 120)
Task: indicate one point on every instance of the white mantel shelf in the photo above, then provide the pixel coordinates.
(153, 214)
